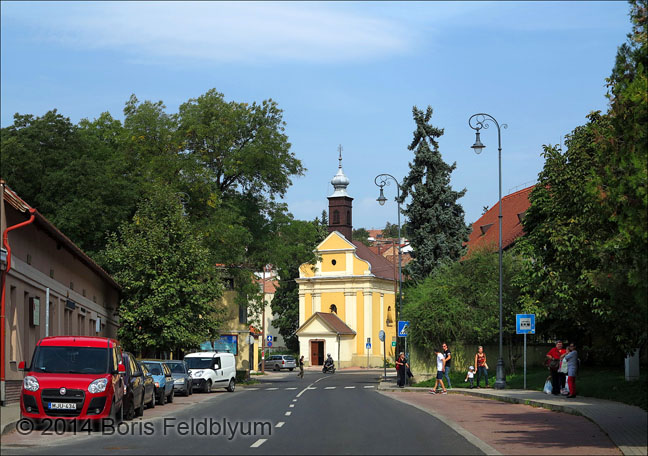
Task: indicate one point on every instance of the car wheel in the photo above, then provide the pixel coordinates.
(170, 399)
(152, 403)
(190, 389)
(276, 367)
(139, 411)
(208, 386)
(162, 400)
(231, 386)
(291, 369)
(130, 414)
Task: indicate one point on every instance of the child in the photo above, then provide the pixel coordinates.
(470, 376)
(440, 371)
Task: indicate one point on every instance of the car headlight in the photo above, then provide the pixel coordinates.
(178, 381)
(98, 386)
(197, 373)
(30, 383)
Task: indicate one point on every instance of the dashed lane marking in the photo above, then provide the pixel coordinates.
(291, 405)
(329, 387)
(294, 400)
(288, 413)
(271, 389)
(349, 387)
(280, 424)
(258, 443)
(290, 389)
(369, 386)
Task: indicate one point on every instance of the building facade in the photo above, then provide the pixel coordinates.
(50, 288)
(348, 296)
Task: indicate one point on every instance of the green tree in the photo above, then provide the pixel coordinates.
(295, 245)
(391, 231)
(436, 225)
(170, 290)
(361, 235)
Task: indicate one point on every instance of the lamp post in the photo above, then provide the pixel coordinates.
(381, 180)
(477, 122)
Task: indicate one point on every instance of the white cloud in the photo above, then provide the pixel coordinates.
(219, 31)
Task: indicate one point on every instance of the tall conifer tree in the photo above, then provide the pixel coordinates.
(436, 224)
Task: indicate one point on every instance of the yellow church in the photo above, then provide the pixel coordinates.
(348, 296)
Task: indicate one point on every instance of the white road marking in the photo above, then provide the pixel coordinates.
(258, 443)
(369, 386)
(349, 387)
(271, 389)
(291, 405)
(329, 387)
(252, 389)
(294, 400)
(289, 389)
(312, 388)
(288, 413)
(280, 424)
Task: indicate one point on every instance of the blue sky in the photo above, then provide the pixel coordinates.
(343, 72)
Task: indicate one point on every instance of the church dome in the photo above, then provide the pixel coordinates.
(340, 181)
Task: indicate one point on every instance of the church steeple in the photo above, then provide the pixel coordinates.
(340, 203)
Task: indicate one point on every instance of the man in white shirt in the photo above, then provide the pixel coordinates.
(440, 358)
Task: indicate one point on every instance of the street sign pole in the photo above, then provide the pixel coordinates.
(524, 360)
(525, 324)
(384, 360)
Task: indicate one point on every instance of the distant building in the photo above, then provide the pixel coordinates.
(51, 288)
(348, 296)
(485, 231)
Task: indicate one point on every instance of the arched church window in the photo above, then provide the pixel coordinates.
(333, 309)
(336, 217)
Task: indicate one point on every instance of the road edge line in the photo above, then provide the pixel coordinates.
(469, 436)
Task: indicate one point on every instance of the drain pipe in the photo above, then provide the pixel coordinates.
(5, 243)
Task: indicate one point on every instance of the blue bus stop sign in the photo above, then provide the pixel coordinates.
(525, 324)
(403, 328)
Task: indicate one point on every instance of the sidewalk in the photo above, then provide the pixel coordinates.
(625, 425)
(9, 416)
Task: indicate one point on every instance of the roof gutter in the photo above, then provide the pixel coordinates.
(5, 243)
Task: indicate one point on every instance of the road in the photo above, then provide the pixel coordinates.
(320, 414)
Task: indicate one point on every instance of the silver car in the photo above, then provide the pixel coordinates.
(278, 362)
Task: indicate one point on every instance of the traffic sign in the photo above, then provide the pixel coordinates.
(393, 343)
(381, 335)
(525, 324)
(269, 338)
(403, 328)
(368, 346)
(269, 344)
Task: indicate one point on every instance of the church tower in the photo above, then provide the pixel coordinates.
(340, 204)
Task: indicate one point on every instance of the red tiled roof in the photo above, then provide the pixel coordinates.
(380, 266)
(375, 233)
(333, 322)
(485, 230)
(270, 285)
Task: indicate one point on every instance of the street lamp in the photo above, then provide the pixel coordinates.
(477, 122)
(381, 180)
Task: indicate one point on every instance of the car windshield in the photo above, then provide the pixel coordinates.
(199, 363)
(71, 360)
(176, 368)
(153, 368)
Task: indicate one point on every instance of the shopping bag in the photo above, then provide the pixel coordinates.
(547, 387)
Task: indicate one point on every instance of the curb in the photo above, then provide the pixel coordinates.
(9, 427)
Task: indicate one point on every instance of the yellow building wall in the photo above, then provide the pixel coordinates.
(308, 306)
(390, 331)
(307, 270)
(360, 267)
(335, 243)
(360, 337)
(336, 298)
(340, 262)
(376, 324)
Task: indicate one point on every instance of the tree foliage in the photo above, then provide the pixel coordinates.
(362, 235)
(587, 221)
(436, 225)
(170, 289)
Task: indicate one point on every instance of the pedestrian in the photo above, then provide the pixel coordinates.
(470, 375)
(448, 362)
(482, 365)
(553, 363)
(440, 360)
(571, 358)
(301, 367)
(401, 370)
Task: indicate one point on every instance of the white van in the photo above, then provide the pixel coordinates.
(209, 369)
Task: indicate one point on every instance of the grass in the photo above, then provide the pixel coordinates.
(251, 381)
(596, 382)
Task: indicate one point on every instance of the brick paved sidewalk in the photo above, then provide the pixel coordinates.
(626, 425)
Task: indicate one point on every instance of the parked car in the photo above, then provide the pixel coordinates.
(161, 373)
(182, 381)
(278, 362)
(149, 387)
(209, 369)
(134, 394)
(73, 378)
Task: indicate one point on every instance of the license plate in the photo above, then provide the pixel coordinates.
(62, 406)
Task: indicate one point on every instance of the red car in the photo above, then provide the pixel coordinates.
(73, 378)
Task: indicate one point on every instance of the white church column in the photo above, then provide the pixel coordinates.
(382, 321)
(317, 302)
(368, 310)
(302, 307)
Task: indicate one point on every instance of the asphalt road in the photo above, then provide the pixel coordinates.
(321, 414)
